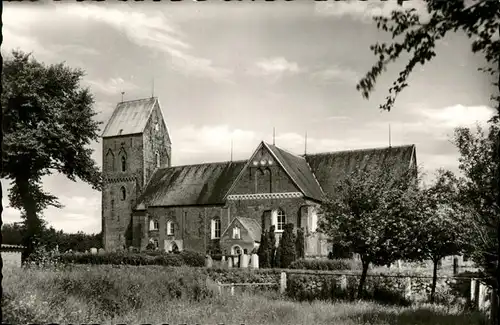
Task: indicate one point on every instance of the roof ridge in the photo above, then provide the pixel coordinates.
(206, 163)
(357, 150)
(136, 100)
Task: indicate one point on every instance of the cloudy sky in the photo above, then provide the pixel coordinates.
(227, 70)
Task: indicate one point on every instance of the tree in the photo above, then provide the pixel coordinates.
(287, 247)
(370, 213)
(263, 250)
(272, 247)
(299, 243)
(48, 125)
(480, 22)
(438, 223)
(479, 191)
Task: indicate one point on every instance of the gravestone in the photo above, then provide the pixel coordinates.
(244, 261)
(101, 251)
(208, 261)
(93, 251)
(254, 263)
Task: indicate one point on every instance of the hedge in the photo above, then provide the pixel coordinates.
(327, 265)
(187, 258)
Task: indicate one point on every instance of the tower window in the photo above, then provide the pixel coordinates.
(157, 126)
(124, 163)
(123, 193)
(157, 155)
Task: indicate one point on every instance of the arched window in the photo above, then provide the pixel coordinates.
(215, 229)
(281, 220)
(157, 155)
(123, 193)
(154, 224)
(124, 163)
(110, 161)
(170, 228)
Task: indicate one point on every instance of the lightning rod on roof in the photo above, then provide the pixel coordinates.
(389, 135)
(122, 95)
(305, 145)
(231, 149)
(274, 136)
(153, 88)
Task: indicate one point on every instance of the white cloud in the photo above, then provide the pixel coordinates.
(112, 86)
(455, 116)
(339, 73)
(154, 31)
(274, 68)
(366, 10)
(212, 140)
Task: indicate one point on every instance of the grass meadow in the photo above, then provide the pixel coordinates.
(178, 295)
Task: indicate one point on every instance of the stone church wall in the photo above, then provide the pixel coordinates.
(192, 226)
(116, 213)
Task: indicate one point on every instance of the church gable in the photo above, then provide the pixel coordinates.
(263, 174)
(242, 229)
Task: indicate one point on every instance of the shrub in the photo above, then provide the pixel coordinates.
(263, 251)
(117, 258)
(316, 264)
(193, 258)
(287, 247)
(299, 243)
(272, 247)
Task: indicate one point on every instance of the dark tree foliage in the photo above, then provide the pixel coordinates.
(51, 238)
(48, 125)
(370, 214)
(263, 250)
(439, 223)
(272, 247)
(287, 247)
(299, 243)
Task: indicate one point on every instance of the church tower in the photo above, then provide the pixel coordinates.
(135, 142)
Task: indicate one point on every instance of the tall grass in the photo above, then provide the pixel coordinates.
(137, 295)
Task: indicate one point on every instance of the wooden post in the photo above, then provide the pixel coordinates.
(283, 282)
(232, 289)
(473, 299)
(455, 266)
(482, 296)
(343, 282)
(408, 292)
(493, 307)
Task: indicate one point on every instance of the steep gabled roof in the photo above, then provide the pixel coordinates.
(129, 117)
(201, 184)
(251, 225)
(331, 167)
(299, 171)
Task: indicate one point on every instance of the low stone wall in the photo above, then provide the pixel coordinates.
(383, 288)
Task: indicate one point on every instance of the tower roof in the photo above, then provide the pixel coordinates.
(129, 117)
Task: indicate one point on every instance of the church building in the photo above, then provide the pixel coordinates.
(219, 207)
